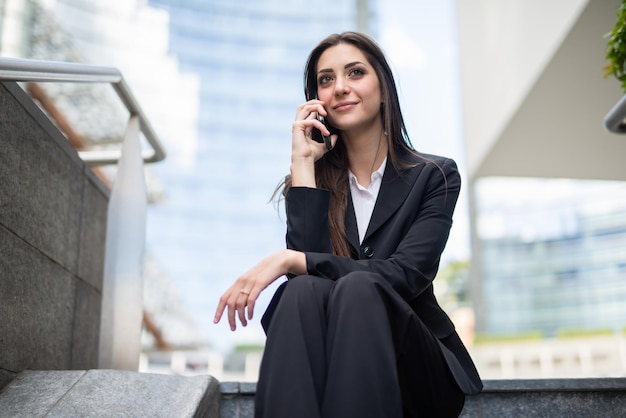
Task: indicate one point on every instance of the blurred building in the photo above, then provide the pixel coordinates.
(554, 257)
(217, 219)
(220, 81)
(548, 254)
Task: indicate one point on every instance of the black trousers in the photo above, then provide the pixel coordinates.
(351, 348)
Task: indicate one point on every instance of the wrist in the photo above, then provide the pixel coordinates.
(295, 262)
(303, 172)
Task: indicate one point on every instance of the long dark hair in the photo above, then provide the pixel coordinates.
(331, 171)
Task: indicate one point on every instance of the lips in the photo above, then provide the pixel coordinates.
(344, 106)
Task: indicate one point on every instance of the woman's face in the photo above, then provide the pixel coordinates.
(349, 88)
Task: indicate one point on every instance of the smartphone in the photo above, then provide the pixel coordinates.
(317, 135)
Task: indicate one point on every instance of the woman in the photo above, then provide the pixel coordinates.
(356, 331)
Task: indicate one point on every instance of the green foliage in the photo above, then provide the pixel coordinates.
(508, 338)
(583, 332)
(452, 283)
(247, 348)
(616, 48)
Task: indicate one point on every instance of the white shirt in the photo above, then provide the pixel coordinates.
(364, 198)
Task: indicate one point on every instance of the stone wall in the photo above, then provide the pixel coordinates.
(52, 230)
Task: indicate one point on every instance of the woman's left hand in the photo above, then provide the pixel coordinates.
(242, 295)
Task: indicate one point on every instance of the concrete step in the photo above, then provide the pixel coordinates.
(567, 398)
(109, 393)
(580, 398)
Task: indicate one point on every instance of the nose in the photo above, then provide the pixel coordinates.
(341, 86)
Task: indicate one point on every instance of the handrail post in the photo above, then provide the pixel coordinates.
(122, 287)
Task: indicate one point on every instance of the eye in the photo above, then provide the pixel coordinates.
(356, 72)
(324, 79)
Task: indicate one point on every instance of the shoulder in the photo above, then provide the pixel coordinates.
(432, 172)
(432, 159)
(431, 162)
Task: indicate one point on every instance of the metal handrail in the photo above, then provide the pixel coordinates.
(27, 70)
(614, 120)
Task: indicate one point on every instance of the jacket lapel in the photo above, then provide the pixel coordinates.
(351, 228)
(393, 191)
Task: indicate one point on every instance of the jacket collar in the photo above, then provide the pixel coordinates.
(393, 191)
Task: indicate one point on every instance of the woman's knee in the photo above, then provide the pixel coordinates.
(298, 283)
(306, 286)
(359, 284)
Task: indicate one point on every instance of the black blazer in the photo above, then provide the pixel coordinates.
(406, 235)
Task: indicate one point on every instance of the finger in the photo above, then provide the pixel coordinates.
(319, 110)
(314, 123)
(220, 309)
(311, 104)
(254, 294)
(241, 308)
(304, 110)
(333, 141)
(308, 109)
(308, 116)
(218, 312)
(231, 316)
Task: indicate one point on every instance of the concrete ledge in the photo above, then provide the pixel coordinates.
(5, 378)
(500, 398)
(237, 399)
(114, 393)
(601, 397)
(97, 393)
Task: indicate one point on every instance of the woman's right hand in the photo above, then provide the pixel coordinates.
(240, 298)
(304, 149)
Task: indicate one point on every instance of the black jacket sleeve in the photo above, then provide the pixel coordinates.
(307, 220)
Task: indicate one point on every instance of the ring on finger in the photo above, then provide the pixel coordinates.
(244, 292)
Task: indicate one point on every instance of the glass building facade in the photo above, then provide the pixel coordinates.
(220, 81)
(217, 219)
(552, 254)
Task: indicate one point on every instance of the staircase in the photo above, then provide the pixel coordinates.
(101, 393)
